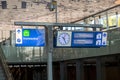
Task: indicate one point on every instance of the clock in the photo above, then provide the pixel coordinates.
(64, 38)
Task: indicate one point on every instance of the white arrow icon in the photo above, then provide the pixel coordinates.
(99, 36)
(98, 42)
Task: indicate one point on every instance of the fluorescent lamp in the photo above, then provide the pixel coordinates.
(117, 2)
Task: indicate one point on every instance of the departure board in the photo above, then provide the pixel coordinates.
(81, 39)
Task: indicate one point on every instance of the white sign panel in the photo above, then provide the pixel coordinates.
(18, 36)
(104, 38)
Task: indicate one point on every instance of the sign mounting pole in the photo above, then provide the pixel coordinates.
(50, 51)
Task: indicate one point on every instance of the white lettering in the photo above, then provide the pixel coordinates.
(83, 41)
(30, 38)
(83, 35)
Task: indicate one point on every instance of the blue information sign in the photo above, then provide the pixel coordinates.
(81, 39)
(30, 37)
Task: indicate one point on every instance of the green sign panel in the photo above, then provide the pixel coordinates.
(26, 33)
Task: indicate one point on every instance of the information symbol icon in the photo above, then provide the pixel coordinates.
(18, 40)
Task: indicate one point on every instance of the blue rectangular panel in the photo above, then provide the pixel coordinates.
(87, 39)
(30, 37)
(83, 39)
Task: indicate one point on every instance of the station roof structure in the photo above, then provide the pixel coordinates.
(37, 10)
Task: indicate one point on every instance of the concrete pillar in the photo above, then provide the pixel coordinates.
(63, 71)
(100, 69)
(79, 70)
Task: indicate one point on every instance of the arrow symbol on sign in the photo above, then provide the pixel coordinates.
(104, 43)
(98, 36)
(18, 40)
(98, 42)
(104, 34)
(18, 31)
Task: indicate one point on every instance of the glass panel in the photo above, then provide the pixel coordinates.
(119, 20)
(81, 22)
(97, 19)
(103, 21)
(80, 28)
(0, 35)
(112, 20)
(91, 20)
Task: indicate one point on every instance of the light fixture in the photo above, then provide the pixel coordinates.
(23, 5)
(4, 4)
(52, 5)
(117, 2)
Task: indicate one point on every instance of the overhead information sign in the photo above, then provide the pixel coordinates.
(81, 39)
(30, 37)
